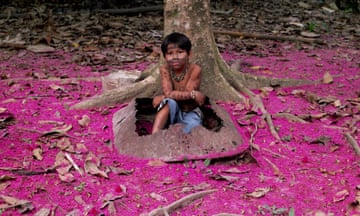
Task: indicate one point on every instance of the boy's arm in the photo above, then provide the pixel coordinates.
(190, 89)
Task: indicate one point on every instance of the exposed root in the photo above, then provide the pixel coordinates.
(143, 88)
(276, 169)
(258, 105)
(269, 37)
(167, 210)
(290, 117)
(353, 143)
(251, 141)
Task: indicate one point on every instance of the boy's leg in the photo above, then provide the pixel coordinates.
(191, 120)
(161, 118)
(168, 111)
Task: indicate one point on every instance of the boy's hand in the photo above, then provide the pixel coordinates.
(157, 100)
(199, 98)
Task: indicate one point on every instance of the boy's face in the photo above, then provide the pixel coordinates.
(176, 57)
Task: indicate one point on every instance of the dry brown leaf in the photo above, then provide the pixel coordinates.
(121, 171)
(56, 87)
(37, 153)
(92, 164)
(5, 178)
(225, 177)
(341, 195)
(236, 170)
(4, 185)
(65, 144)
(58, 131)
(81, 148)
(2, 110)
(327, 78)
(93, 169)
(309, 34)
(337, 103)
(43, 212)
(11, 202)
(60, 159)
(112, 209)
(256, 67)
(10, 100)
(84, 121)
(259, 192)
(64, 170)
(67, 177)
(156, 163)
(158, 197)
(40, 48)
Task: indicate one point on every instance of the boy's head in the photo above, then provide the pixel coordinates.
(178, 39)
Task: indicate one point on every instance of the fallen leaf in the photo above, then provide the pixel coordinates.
(236, 171)
(84, 121)
(43, 212)
(341, 195)
(40, 48)
(121, 171)
(11, 202)
(65, 144)
(2, 110)
(158, 197)
(92, 164)
(56, 87)
(327, 78)
(309, 34)
(156, 163)
(4, 185)
(337, 103)
(256, 67)
(321, 140)
(37, 153)
(259, 192)
(67, 177)
(81, 148)
(225, 177)
(58, 131)
(5, 178)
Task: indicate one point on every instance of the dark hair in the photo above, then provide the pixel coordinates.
(179, 39)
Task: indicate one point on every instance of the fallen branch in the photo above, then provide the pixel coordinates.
(353, 143)
(269, 37)
(167, 210)
(131, 10)
(290, 117)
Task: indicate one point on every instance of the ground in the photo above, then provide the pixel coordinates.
(57, 161)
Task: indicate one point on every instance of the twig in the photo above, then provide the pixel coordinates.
(277, 171)
(33, 172)
(274, 153)
(290, 117)
(76, 167)
(251, 141)
(132, 10)
(268, 37)
(353, 143)
(167, 210)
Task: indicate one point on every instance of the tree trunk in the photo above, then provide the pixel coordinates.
(193, 19)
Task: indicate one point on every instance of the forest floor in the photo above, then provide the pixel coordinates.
(57, 161)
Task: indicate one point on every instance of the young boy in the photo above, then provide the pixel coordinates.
(180, 81)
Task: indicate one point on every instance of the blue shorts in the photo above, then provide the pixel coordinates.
(190, 119)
